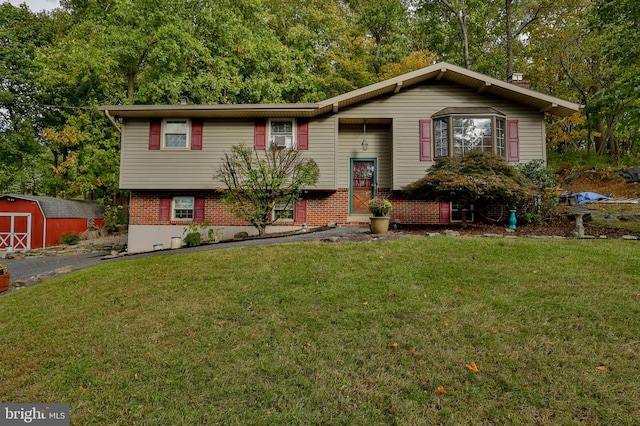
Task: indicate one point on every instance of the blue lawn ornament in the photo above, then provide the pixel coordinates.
(512, 219)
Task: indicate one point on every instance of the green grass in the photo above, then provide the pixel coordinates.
(303, 334)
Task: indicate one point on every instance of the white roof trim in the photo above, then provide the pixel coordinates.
(441, 71)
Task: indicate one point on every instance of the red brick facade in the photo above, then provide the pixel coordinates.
(321, 209)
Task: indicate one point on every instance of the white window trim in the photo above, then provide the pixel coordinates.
(470, 214)
(173, 209)
(451, 143)
(291, 207)
(294, 131)
(163, 131)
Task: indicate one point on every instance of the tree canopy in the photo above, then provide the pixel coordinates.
(59, 65)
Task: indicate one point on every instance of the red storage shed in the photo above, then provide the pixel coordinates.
(29, 221)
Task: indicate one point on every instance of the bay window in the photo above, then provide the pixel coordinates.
(461, 130)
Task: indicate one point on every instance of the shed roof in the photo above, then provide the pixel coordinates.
(440, 71)
(58, 208)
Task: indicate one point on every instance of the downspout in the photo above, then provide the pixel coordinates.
(115, 124)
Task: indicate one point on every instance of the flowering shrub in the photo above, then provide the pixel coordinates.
(379, 206)
(3, 269)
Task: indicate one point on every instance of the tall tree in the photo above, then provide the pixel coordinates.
(519, 16)
(22, 113)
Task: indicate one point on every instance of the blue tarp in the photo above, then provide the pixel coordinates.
(587, 197)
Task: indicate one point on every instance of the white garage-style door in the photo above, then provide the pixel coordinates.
(15, 231)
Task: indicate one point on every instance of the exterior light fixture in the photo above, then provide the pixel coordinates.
(365, 144)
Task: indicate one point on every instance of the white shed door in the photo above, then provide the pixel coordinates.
(15, 231)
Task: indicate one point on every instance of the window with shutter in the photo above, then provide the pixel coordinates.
(196, 134)
(183, 208)
(513, 138)
(155, 129)
(281, 133)
(458, 130)
(425, 140)
(260, 134)
(165, 208)
(300, 214)
(303, 134)
(175, 133)
(445, 212)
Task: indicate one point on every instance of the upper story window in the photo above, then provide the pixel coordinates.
(281, 132)
(461, 130)
(175, 133)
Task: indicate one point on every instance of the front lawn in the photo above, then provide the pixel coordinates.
(410, 331)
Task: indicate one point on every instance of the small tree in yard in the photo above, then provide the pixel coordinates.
(473, 178)
(257, 182)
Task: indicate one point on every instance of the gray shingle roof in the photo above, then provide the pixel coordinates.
(61, 208)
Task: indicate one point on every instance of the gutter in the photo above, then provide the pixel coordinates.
(106, 112)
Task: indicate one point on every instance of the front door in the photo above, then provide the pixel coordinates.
(363, 185)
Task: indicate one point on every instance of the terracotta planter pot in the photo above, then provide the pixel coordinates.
(4, 282)
(379, 225)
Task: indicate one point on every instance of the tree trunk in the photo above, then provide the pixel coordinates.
(462, 19)
(465, 39)
(509, 37)
(131, 79)
(601, 145)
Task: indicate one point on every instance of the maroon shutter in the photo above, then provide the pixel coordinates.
(425, 140)
(165, 208)
(445, 212)
(196, 134)
(154, 133)
(300, 211)
(303, 134)
(198, 210)
(260, 134)
(513, 139)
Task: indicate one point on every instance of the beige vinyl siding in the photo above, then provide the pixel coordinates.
(322, 148)
(349, 142)
(142, 168)
(396, 146)
(407, 108)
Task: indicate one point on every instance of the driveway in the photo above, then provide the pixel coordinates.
(34, 269)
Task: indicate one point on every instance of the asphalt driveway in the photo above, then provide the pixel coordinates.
(30, 267)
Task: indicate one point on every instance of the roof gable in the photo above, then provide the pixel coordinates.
(440, 71)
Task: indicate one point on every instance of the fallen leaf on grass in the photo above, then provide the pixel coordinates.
(440, 389)
(136, 376)
(601, 368)
(394, 346)
(473, 367)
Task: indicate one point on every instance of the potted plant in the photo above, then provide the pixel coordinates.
(5, 278)
(380, 208)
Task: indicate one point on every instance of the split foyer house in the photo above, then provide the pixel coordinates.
(373, 140)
